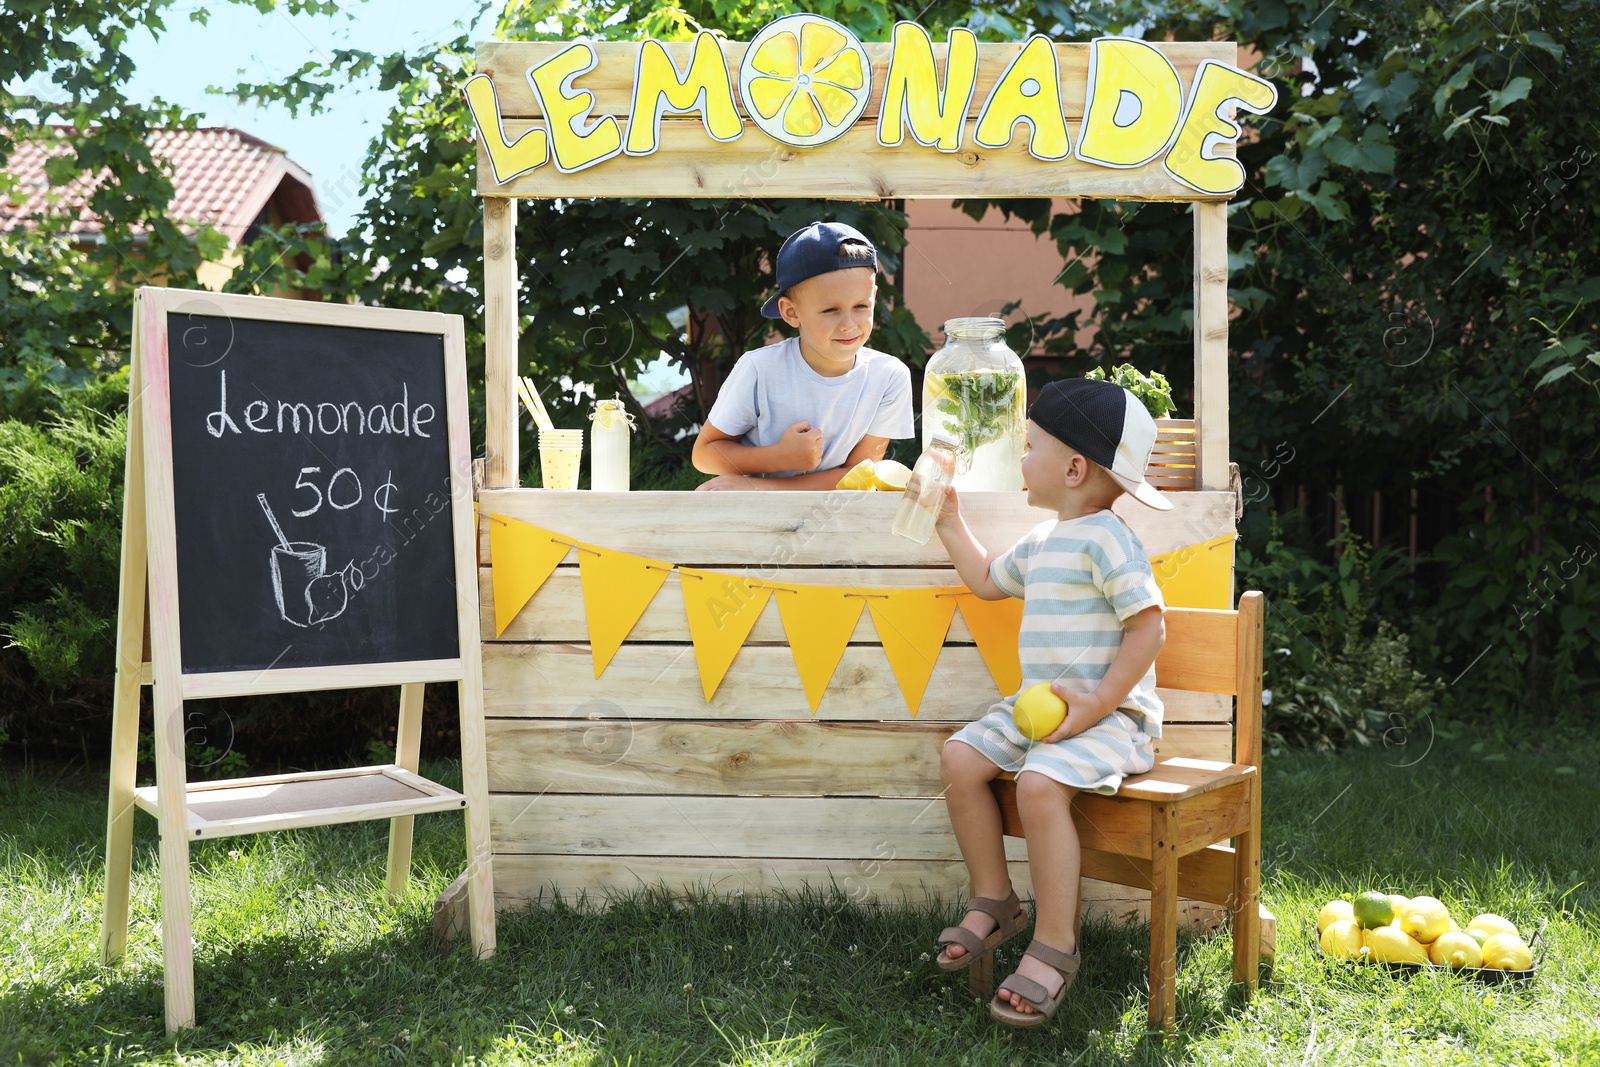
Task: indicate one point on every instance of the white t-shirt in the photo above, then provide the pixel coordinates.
(772, 388)
(1080, 580)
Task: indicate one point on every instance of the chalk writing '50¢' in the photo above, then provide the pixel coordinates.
(398, 418)
(343, 497)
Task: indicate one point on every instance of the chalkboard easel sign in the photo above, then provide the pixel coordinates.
(299, 506)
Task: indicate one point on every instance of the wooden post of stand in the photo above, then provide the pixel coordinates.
(1211, 344)
(501, 449)
(407, 754)
(125, 699)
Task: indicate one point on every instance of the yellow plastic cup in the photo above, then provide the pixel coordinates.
(560, 452)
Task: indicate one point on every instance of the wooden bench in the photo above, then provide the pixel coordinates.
(1165, 831)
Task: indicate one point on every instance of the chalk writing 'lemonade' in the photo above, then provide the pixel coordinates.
(352, 416)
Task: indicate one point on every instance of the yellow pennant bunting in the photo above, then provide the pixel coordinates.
(722, 608)
(1197, 576)
(995, 626)
(912, 624)
(523, 557)
(617, 587)
(818, 620)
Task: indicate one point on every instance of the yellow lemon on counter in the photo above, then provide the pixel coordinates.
(857, 477)
(1038, 711)
(1425, 918)
(1342, 940)
(1507, 952)
(1492, 924)
(1454, 949)
(887, 475)
(890, 475)
(1333, 911)
(1390, 944)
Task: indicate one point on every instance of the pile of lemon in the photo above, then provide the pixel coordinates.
(1387, 928)
(884, 476)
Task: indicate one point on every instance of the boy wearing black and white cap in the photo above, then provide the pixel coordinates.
(1091, 627)
(799, 414)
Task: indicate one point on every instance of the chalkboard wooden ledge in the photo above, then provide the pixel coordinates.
(306, 798)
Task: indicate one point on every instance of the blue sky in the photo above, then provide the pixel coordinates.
(180, 63)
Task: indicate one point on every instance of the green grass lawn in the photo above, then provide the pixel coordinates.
(299, 959)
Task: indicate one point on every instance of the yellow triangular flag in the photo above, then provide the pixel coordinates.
(995, 626)
(912, 624)
(721, 608)
(617, 587)
(818, 620)
(523, 557)
(1197, 576)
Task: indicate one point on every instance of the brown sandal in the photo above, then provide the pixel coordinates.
(1009, 916)
(1032, 993)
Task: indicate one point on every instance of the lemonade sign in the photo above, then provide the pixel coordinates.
(805, 80)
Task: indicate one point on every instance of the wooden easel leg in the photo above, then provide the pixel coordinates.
(125, 698)
(1247, 896)
(407, 755)
(1163, 917)
(177, 947)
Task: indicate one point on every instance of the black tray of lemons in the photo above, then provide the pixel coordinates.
(1413, 933)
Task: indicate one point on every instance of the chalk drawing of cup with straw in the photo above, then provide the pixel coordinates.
(306, 593)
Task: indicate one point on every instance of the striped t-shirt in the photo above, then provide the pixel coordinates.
(1079, 580)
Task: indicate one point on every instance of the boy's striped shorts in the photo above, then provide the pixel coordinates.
(1095, 760)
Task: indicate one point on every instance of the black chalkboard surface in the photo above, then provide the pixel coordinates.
(311, 491)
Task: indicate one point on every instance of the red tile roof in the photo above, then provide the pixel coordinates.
(220, 176)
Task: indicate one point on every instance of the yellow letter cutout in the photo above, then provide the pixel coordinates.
(1131, 109)
(1029, 90)
(1193, 160)
(506, 159)
(564, 108)
(706, 88)
(912, 98)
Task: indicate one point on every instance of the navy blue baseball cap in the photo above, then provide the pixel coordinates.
(814, 250)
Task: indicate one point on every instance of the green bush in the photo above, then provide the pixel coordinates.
(60, 529)
(1338, 674)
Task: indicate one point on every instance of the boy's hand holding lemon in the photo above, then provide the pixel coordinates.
(1040, 712)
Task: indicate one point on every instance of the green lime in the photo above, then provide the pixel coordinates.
(1372, 910)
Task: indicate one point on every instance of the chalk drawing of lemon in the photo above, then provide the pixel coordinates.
(805, 79)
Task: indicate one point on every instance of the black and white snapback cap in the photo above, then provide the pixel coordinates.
(1108, 424)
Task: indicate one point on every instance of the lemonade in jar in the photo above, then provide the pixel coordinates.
(975, 392)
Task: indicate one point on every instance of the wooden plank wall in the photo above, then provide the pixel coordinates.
(635, 780)
(852, 167)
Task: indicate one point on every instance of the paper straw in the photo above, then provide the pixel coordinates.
(535, 406)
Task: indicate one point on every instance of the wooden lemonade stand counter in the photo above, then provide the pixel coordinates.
(636, 778)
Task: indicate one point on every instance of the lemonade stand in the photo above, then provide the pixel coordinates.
(746, 693)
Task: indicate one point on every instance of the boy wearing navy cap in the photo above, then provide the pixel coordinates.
(1091, 628)
(800, 413)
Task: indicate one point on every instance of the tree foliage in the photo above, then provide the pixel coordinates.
(1415, 267)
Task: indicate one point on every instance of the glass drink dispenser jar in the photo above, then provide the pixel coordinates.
(974, 391)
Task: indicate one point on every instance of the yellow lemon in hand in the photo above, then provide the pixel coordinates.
(1455, 949)
(1038, 711)
(1332, 912)
(1424, 918)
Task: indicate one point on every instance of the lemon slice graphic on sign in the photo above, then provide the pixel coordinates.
(805, 79)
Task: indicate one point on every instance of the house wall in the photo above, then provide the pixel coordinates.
(957, 266)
